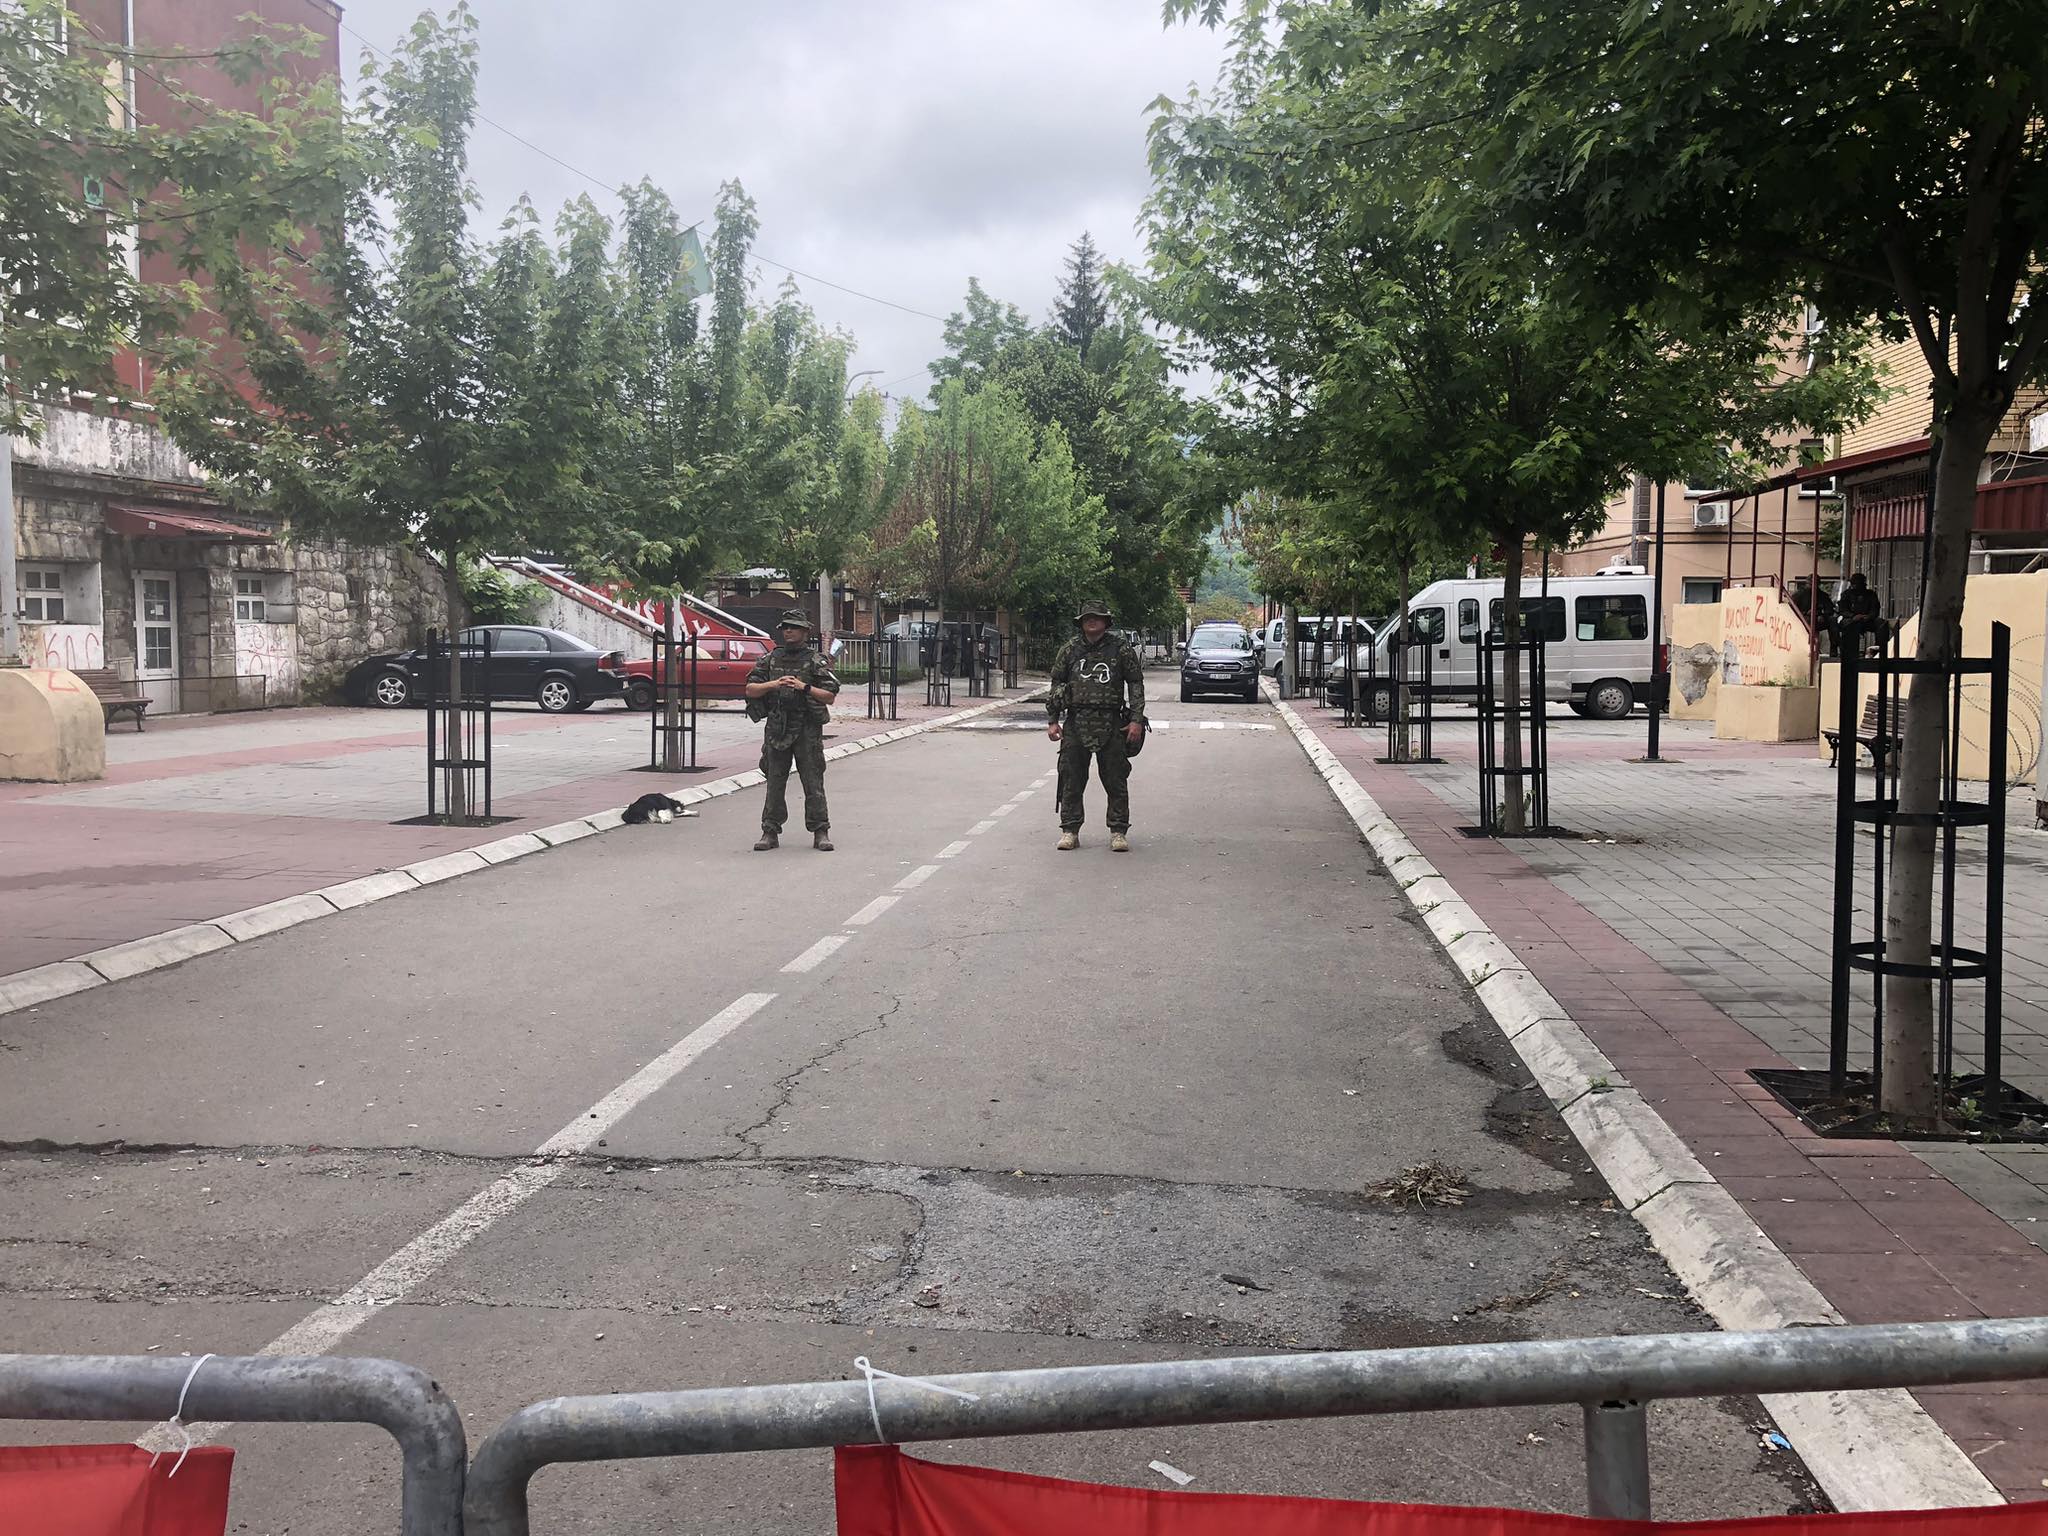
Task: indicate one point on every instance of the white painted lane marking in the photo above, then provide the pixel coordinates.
(402, 1273)
(980, 827)
(818, 953)
(1003, 810)
(917, 877)
(952, 849)
(1021, 796)
(870, 912)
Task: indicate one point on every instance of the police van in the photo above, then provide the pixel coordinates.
(1596, 633)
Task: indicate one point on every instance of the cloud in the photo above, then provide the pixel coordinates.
(893, 146)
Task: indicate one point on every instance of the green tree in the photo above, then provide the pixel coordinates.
(1083, 305)
(409, 401)
(1400, 356)
(975, 335)
(1887, 163)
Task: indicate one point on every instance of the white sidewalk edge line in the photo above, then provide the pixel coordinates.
(1869, 1450)
(154, 952)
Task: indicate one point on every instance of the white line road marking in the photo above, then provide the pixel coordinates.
(1022, 795)
(1214, 725)
(1004, 809)
(870, 912)
(980, 827)
(818, 953)
(951, 849)
(402, 1273)
(917, 877)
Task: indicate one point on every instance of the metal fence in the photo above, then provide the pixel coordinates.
(256, 1389)
(1611, 1379)
(458, 729)
(1517, 719)
(672, 715)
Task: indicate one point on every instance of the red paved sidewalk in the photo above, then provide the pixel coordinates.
(76, 877)
(1882, 1235)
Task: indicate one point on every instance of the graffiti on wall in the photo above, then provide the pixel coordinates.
(271, 652)
(1763, 639)
(63, 647)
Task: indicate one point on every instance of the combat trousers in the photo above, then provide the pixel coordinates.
(807, 754)
(1112, 762)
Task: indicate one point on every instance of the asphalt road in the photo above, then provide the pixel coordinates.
(1038, 1108)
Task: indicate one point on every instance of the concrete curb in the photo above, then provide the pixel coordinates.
(64, 978)
(1868, 1450)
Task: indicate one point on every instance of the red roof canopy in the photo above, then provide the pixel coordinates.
(155, 523)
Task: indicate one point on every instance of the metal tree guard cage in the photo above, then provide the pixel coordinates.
(1526, 722)
(1411, 695)
(1360, 686)
(980, 674)
(882, 677)
(938, 676)
(459, 730)
(1941, 687)
(672, 722)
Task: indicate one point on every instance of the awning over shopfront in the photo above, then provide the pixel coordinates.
(156, 523)
(2003, 506)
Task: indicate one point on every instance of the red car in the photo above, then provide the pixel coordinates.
(723, 662)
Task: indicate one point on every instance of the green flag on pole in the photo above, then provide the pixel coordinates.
(694, 272)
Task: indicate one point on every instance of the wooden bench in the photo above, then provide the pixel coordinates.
(117, 695)
(1876, 734)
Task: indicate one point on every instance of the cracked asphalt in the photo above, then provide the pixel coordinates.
(1041, 1109)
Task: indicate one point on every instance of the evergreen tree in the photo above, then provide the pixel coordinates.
(1083, 305)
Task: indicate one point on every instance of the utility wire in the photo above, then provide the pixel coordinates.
(612, 191)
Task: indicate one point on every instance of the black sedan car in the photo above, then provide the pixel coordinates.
(1220, 659)
(557, 671)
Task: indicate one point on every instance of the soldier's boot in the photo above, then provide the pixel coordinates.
(769, 841)
(1119, 843)
(822, 840)
(1069, 841)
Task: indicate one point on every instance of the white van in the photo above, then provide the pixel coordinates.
(1596, 632)
(1326, 631)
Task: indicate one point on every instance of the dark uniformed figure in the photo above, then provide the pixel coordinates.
(1096, 711)
(792, 689)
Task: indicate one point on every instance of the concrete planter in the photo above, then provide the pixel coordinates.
(1744, 713)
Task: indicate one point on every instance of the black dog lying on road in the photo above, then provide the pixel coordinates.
(652, 808)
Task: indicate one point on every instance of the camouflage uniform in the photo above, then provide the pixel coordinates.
(1097, 690)
(795, 734)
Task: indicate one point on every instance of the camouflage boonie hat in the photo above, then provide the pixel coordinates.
(795, 618)
(1095, 608)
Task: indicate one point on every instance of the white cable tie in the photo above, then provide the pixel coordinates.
(861, 1364)
(177, 1420)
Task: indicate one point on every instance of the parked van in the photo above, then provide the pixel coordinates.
(1596, 633)
(1329, 633)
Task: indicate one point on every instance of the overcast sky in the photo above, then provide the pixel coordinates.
(893, 146)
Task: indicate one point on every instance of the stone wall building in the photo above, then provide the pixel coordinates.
(124, 561)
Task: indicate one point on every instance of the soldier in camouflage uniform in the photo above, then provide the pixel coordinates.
(1096, 710)
(792, 689)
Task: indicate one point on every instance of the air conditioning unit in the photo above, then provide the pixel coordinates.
(1711, 514)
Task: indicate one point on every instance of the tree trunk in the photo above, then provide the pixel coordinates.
(455, 745)
(1290, 655)
(1397, 659)
(1514, 803)
(1909, 1090)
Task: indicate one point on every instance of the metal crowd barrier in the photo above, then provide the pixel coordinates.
(255, 1389)
(1610, 1378)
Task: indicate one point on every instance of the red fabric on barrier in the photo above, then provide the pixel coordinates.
(112, 1490)
(882, 1492)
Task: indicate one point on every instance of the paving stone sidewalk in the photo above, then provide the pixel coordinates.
(1687, 932)
(203, 816)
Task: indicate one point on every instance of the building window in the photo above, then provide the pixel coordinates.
(1618, 616)
(42, 594)
(1700, 589)
(249, 599)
